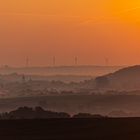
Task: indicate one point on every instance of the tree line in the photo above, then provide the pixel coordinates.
(40, 113)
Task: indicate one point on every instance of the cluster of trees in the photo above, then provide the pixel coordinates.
(40, 113)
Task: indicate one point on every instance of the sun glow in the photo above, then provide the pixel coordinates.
(126, 10)
(90, 29)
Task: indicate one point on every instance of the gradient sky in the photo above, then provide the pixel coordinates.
(92, 30)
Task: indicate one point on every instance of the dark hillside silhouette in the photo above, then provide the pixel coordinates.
(87, 115)
(40, 113)
(30, 113)
(71, 129)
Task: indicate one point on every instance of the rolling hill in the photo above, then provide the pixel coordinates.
(123, 79)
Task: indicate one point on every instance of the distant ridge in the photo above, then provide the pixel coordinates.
(124, 79)
(61, 70)
(59, 66)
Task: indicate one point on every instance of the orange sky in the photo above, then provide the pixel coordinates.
(92, 30)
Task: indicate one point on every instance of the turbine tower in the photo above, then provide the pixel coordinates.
(106, 62)
(54, 61)
(76, 61)
(27, 62)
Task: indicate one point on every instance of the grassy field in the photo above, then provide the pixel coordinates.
(71, 129)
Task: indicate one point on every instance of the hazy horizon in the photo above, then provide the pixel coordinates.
(57, 66)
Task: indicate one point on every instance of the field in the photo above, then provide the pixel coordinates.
(71, 129)
(73, 104)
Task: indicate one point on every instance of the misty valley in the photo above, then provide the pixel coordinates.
(115, 94)
(70, 106)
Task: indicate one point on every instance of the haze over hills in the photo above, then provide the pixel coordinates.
(90, 96)
(61, 70)
(123, 79)
(105, 94)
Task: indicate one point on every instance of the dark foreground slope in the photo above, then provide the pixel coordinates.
(71, 129)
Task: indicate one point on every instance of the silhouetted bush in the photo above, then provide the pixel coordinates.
(86, 115)
(40, 113)
(30, 113)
